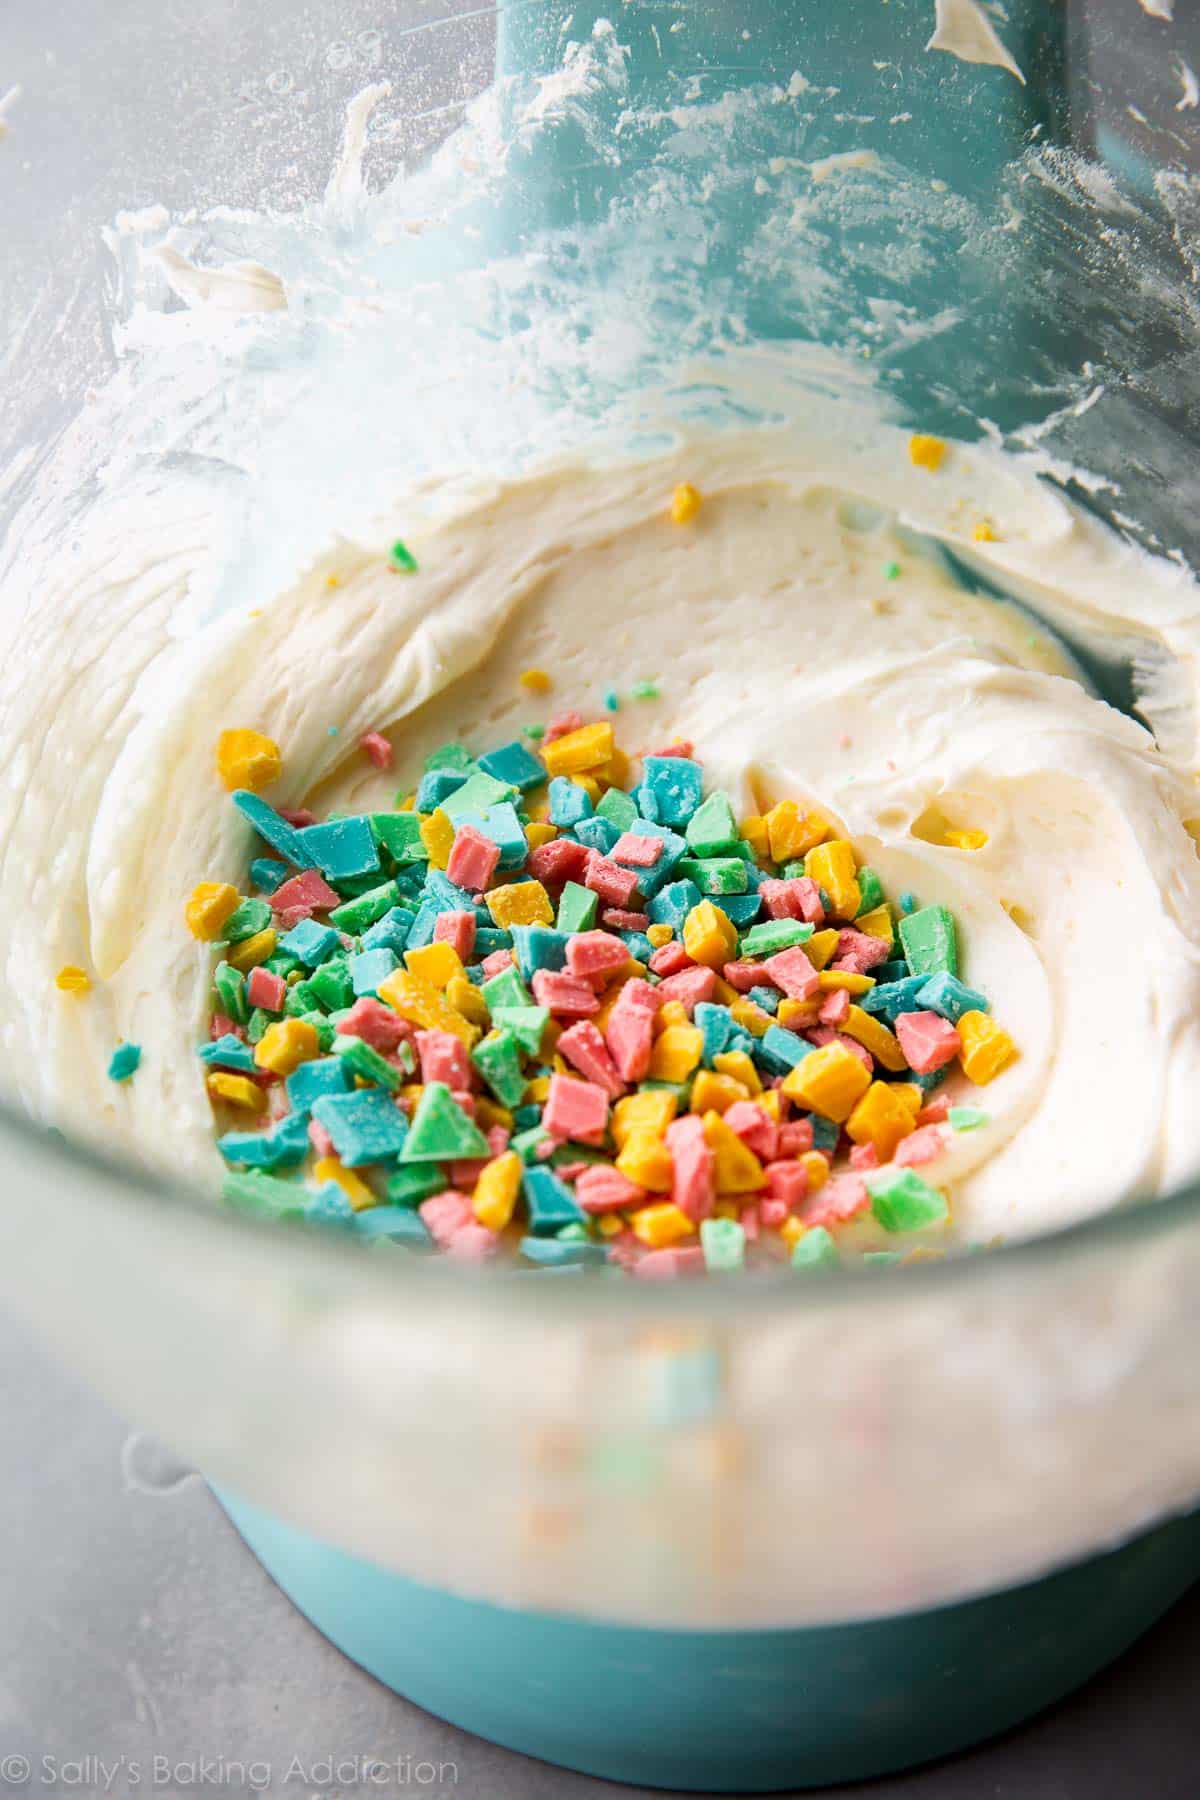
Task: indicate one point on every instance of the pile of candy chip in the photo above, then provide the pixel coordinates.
(548, 1009)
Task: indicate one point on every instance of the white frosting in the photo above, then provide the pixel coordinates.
(782, 651)
(963, 29)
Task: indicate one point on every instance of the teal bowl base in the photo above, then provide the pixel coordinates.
(732, 1711)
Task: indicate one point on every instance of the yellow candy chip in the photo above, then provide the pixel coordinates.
(496, 1190)
(659, 935)
(708, 936)
(877, 923)
(880, 1119)
(792, 833)
(490, 1112)
(210, 905)
(540, 832)
(798, 1015)
(537, 1091)
(590, 786)
(740, 1066)
(671, 1012)
(791, 1231)
(983, 533)
(771, 1104)
(236, 1090)
(422, 1004)
(253, 950)
(746, 1013)
(716, 1093)
(724, 993)
(661, 1225)
(834, 867)
(247, 759)
(925, 451)
(986, 1047)
(677, 1051)
(960, 839)
(650, 1110)
(754, 830)
(848, 980)
(520, 903)
(617, 770)
(328, 1168)
(535, 681)
(821, 948)
(437, 835)
(73, 980)
(831, 1082)
(874, 1036)
(685, 503)
(579, 752)
(286, 1044)
(817, 1168)
(438, 964)
(910, 1095)
(645, 1159)
(465, 998)
(736, 1169)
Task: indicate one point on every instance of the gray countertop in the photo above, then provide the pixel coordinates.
(135, 1625)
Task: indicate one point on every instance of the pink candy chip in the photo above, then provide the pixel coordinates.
(792, 973)
(376, 747)
(668, 959)
(689, 987)
(473, 859)
(799, 898)
(835, 1008)
(595, 955)
(613, 883)
(472, 1243)
(445, 1214)
(309, 889)
(602, 1188)
(562, 723)
(787, 1181)
(456, 929)
(693, 1187)
(755, 1128)
(921, 1146)
(857, 953)
(670, 1265)
(631, 1039)
(928, 1041)
(376, 1024)
(864, 1156)
(319, 1138)
(624, 921)
(266, 990)
(443, 1058)
(564, 995)
(641, 852)
(583, 1047)
(744, 975)
(795, 1137)
(842, 1198)
(577, 1110)
(496, 963)
(562, 859)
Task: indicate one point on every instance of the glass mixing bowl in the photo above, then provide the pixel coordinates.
(714, 1459)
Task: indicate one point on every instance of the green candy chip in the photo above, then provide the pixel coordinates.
(903, 1201)
(498, 1059)
(815, 1250)
(930, 941)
